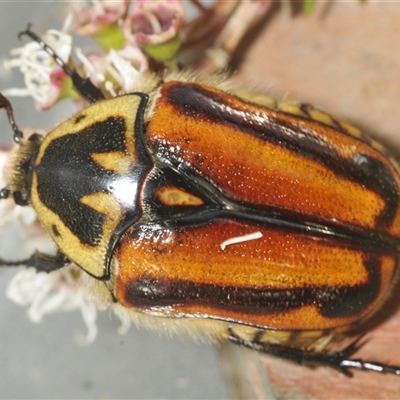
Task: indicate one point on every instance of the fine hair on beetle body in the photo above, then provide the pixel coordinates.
(189, 204)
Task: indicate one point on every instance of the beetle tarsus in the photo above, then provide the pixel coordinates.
(47, 263)
(337, 361)
(40, 261)
(84, 87)
(370, 366)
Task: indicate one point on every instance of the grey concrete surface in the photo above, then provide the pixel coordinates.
(44, 361)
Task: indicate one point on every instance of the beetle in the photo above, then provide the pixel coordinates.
(268, 224)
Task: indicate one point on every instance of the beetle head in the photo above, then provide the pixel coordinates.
(19, 179)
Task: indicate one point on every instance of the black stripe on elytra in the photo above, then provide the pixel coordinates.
(332, 301)
(195, 101)
(217, 206)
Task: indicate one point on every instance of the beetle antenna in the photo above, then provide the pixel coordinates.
(84, 87)
(4, 103)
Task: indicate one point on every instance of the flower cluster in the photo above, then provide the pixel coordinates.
(129, 35)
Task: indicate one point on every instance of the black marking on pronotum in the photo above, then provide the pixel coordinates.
(64, 177)
(332, 301)
(79, 118)
(55, 230)
(193, 100)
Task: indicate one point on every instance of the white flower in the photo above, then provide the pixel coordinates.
(154, 22)
(44, 79)
(123, 64)
(122, 67)
(46, 293)
(101, 13)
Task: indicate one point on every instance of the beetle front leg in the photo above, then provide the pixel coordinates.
(42, 262)
(337, 360)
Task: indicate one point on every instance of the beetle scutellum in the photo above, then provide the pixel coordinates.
(273, 226)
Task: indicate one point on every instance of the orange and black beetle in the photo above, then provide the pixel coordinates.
(268, 224)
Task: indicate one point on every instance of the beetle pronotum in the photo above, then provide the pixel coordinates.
(144, 191)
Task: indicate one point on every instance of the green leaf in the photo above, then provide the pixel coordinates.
(163, 52)
(308, 6)
(110, 37)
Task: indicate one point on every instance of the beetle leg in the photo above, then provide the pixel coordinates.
(4, 103)
(42, 262)
(336, 360)
(370, 366)
(84, 87)
(364, 365)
